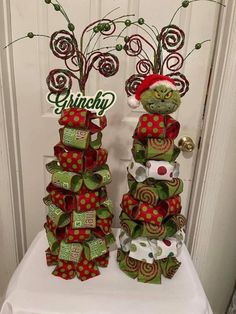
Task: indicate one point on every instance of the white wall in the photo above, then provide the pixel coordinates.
(213, 242)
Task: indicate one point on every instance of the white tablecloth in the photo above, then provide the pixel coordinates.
(34, 290)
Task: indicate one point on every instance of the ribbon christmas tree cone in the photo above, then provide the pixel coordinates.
(152, 226)
(151, 222)
(78, 224)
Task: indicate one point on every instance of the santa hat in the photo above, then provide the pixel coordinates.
(150, 81)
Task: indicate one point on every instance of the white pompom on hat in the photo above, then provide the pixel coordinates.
(150, 81)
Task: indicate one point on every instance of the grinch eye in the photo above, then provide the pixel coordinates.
(167, 96)
(157, 95)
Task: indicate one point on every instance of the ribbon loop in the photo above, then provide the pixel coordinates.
(70, 251)
(84, 219)
(95, 248)
(75, 138)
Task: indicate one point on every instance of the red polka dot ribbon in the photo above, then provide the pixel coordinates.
(79, 161)
(145, 212)
(156, 126)
(83, 119)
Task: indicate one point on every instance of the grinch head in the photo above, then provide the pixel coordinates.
(158, 94)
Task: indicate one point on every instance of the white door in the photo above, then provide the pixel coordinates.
(38, 128)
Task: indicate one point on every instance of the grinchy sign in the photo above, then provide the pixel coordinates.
(99, 103)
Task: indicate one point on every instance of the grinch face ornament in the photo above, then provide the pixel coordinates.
(158, 94)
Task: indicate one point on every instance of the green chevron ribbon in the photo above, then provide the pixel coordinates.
(84, 219)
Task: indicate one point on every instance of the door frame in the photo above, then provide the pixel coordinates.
(12, 206)
(199, 219)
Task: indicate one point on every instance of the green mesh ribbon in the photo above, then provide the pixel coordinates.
(105, 210)
(95, 248)
(137, 229)
(59, 218)
(139, 151)
(97, 179)
(161, 149)
(110, 239)
(53, 167)
(73, 182)
(75, 138)
(97, 143)
(168, 189)
(52, 241)
(70, 251)
(152, 190)
(156, 149)
(145, 272)
(132, 183)
(67, 180)
(84, 219)
(146, 193)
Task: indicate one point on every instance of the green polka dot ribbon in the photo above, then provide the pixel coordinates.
(95, 248)
(97, 179)
(52, 241)
(105, 210)
(70, 251)
(75, 138)
(84, 219)
(59, 218)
